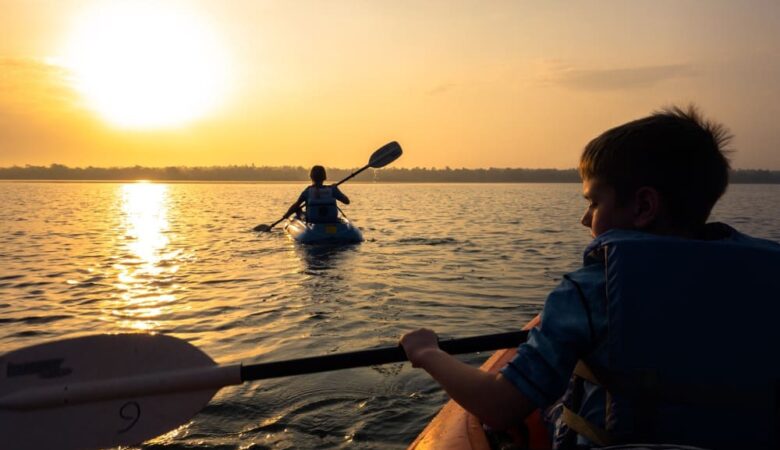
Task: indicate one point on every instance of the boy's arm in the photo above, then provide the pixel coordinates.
(490, 397)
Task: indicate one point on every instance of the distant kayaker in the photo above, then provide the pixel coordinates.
(642, 343)
(319, 200)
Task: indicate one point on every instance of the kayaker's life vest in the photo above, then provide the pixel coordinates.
(693, 343)
(321, 205)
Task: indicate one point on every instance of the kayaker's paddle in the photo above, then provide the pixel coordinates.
(380, 158)
(266, 228)
(123, 389)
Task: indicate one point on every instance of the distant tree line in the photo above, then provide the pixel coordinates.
(291, 173)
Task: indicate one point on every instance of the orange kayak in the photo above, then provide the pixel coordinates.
(455, 429)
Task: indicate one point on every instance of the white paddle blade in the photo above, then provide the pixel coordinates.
(103, 391)
(385, 155)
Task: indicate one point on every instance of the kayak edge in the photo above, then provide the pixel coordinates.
(453, 428)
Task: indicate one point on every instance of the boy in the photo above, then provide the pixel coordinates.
(641, 343)
(320, 200)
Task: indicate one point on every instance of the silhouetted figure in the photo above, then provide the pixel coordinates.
(319, 200)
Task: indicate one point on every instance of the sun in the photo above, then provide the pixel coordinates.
(146, 65)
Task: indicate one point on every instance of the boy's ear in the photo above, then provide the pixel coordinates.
(647, 207)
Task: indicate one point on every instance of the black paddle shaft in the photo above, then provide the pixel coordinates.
(382, 157)
(355, 173)
(377, 356)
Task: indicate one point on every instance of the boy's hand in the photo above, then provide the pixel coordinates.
(489, 396)
(418, 344)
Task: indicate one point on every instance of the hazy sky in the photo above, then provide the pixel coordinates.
(457, 83)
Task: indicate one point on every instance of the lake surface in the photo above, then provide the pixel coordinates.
(180, 259)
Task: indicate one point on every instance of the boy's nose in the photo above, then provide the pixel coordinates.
(585, 220)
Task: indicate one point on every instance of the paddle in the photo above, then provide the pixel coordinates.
(123, 389)
(380, 158)
(265, 228)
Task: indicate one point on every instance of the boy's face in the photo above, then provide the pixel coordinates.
(603, 214)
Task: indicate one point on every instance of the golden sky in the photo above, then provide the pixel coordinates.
(457, 83)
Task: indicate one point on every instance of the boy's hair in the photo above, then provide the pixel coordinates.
(317, 174)
(676, 152)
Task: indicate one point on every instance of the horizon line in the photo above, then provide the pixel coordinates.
(299, 174)
(288, 166)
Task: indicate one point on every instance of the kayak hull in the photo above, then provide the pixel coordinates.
(337, 233)
(453, 428)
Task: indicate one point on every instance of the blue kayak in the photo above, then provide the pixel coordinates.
(336, 233)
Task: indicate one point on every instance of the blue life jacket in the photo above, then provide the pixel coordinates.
(693, 342)
(321, 205)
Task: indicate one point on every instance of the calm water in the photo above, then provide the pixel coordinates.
(85, 258)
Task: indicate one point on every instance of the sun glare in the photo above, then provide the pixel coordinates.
(147, 64)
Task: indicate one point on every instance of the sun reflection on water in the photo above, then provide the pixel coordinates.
(144, 205)
(146, 266)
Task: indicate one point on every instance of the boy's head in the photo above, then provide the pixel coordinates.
(662, 173)
(318, 175)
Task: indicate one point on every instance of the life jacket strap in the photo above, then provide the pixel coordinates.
(644, 392)
(574, 423)
(586, 428)
(583, 371)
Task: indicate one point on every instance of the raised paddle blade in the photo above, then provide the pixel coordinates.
(385, 155)
(103, 391)
(382, 157)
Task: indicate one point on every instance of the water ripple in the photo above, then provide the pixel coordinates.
(34, 320)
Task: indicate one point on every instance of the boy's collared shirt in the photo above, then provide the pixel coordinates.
(573, 326)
